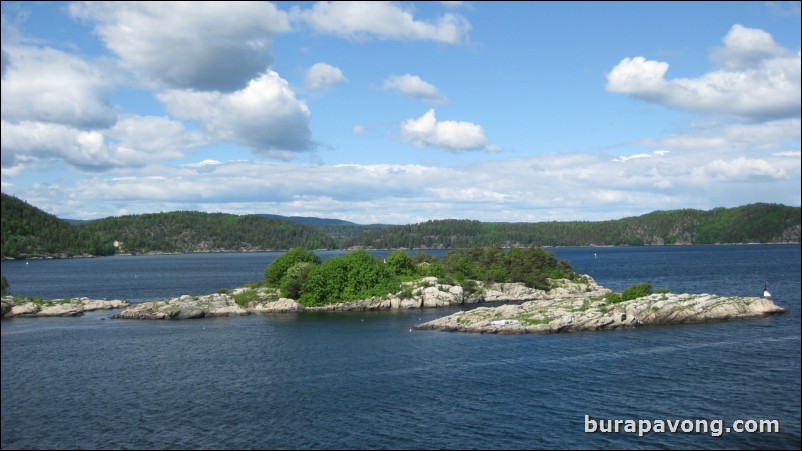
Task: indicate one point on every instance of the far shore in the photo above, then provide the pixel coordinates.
(232, 251)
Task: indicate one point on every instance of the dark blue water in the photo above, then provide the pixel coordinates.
(362, 380)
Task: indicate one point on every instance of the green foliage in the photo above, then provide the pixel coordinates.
(613, 298)
(293, 281)
(637, 290)
(3, 286)
(356, 275)
(631, 292)
(27, 231)
(190, 231)
(755, 223)
(244, 298)
(276, 270)
(532, 266)
(399, 263)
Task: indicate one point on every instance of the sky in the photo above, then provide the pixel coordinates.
(401, 112)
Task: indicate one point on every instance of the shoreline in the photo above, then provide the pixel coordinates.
(601, 246)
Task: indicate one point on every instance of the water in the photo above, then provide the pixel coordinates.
(362, 380)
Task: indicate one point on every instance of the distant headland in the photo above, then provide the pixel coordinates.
(29, 232)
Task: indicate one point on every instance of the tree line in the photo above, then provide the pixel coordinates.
(755, 223)
(28, 232)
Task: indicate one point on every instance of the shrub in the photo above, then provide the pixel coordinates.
(401, 264)
(354, 276)
(637, 290)
(292, 284)
(276, 270)
(244, 298)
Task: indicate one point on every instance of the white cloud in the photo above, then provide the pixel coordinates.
(194, 45)
(733, 137)
(27, 142)
(760, 80)
(450, 135)
(414, 86)
(745, 48)
(265, 116)
(132, 142)
(383, 20)
(321, 77)
(656, 153)
(158, 137)
(358, 130)
(742, 169)
(46, 85)
(547, 187)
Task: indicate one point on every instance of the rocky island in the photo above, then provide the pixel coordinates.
(423, 293)
(25, 307)
(592, 314)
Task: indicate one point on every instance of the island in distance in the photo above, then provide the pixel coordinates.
(544, 295)
(569, 306)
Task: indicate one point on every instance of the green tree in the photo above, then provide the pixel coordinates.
(356, 275)
(293, 281)
(276, 270)
(401, 264)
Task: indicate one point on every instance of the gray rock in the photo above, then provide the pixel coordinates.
(574, 314)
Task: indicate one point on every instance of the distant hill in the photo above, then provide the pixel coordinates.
(311, 220)
(338, 229)
(755, 223)
(191, 231)
(28, 232)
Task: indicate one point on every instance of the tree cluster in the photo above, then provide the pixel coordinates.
(359, 275)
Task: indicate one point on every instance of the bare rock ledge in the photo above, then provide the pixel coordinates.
(17, 307)
(589, 314)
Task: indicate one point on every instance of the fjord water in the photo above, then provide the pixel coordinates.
(363, 380)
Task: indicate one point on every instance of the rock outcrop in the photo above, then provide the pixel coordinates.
(593, 313)
(423, 293)
(23, 307)
(184, 307)
(428, 293)
(283, 305)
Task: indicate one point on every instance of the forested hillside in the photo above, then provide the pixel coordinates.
(189, 231)
(30, 232)
(755, 223)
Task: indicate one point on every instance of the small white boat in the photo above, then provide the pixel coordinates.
(766, 293)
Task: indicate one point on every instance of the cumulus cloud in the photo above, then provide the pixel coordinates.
(759, 80)
(322, 77)
(25, 142)
(450, 135)
(47, 85)
(132, 142)
(382, 20)
(414, 86)
(265, 116)
(192, 45)
(547, 187)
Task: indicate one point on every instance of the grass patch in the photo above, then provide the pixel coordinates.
(245, 298)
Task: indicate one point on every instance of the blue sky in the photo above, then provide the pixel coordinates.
(401, 112)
